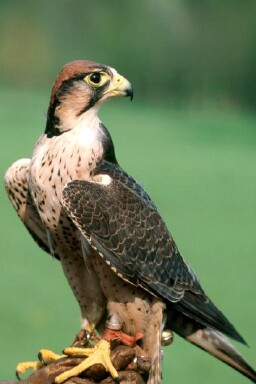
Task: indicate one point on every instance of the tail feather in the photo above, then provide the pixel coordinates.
(210, 340)
(217, 345)
(207, 314)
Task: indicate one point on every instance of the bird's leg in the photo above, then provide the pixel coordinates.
(100, 353)
(97, 354)
(83, 338)
(113, 332)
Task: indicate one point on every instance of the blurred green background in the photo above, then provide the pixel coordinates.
(189, 137)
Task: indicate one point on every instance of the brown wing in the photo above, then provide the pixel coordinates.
(120, 221)
(128, 232)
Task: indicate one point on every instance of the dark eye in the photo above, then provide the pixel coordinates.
(95, 78)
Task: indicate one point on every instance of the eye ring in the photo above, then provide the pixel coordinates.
(96, 79)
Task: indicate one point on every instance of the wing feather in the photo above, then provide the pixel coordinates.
(120, 221)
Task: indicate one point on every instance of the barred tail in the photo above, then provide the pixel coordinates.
(217, 345)
(210, 340)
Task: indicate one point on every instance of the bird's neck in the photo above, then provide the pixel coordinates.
(64, 117)
(87, 130)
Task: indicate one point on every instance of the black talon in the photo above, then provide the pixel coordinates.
(117, 380)
(40, 358)
(18, 375)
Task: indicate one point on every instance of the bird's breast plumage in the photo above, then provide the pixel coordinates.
(56, 161)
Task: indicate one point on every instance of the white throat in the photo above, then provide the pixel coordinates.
(87, 128)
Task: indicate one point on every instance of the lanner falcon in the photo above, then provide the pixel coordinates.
(116, 252)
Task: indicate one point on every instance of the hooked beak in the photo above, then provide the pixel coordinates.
(119, 86)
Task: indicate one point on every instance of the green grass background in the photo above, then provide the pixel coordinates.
(199, 168)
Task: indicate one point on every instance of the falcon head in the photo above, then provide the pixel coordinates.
(81, 88)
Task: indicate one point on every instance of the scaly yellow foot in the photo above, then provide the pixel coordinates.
(100, 354)
(45, 357)
(21, 368)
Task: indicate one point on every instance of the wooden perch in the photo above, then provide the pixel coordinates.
(131, 369)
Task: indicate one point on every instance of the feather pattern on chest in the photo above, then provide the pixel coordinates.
(59, 159)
